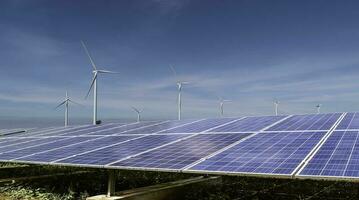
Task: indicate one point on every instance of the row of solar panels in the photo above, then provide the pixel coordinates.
(323, 145)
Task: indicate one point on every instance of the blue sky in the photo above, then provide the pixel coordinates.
(250, 51)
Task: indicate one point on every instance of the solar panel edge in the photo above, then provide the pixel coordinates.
(311, 154)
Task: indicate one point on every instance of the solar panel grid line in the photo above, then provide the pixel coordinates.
(45, 133)
(327, 120)
(315, 121)
(275, 123)
(97, 149)
(290, 156)
(218, 152)
(311, 154)
(285, 124)
(351, 154)
(31, 146)
(96, 138)
(41, 130)
(90, 128)
(225, 124)
(111, 128)
(152, 149)
(162, 131)
(86, 152)
(131, 129)
(298, 131)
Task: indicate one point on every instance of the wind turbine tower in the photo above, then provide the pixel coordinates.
(179, 88)
(221, 105)
(276, 104)
(318, 108)
(66, 103)
(93, 85)
(138, 113)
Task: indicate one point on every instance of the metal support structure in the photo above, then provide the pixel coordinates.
(221, 109)
(111, 183)
(276, 107)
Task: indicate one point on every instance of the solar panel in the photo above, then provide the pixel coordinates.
(50, 154)
(161, 127)
(337, 157)
(182, 153)
(249, 124)
(200, 126)
(125, 128)
(350, 121)
(113, 153)
(273, 153)
(307, 122)
(8, 155)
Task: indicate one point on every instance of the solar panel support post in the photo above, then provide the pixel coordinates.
(111, 183)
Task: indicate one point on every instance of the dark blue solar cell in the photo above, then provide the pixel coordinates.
(160, 127)
(249, 124)
(268, 153)
(125, 128)
(117, 152)
(183, 153)
(337, 157)
(307, 122)
(200, 126)
(42, 147)
(26, 142)
(350, 121)
(76, 148)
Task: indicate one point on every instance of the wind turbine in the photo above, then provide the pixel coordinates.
(138, 113)
(221, 105)
(66, 103)
(179, 88)
(318, 108)
(93, 85)
(276, 104)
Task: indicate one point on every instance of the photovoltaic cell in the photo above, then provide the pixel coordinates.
(183, 153)
(200, 126)
(307, 122)
(274, 153)
(110, 154)
(75, 149)
(124, 129)
(249, 124)
(337, 157)
(42, 147)
(159, 127)
(350, 121)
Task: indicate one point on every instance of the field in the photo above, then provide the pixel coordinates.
(64, 183)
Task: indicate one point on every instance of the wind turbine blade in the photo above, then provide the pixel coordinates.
(107, 72)
(135, 109)
(60, 104)
(88, 54)
(74, 102)
(185, 82)
(174, 71)
(92, 82)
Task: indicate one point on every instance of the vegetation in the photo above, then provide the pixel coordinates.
(67, 184)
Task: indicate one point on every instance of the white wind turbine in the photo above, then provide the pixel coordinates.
(66, 103)
(179, 87)
(138, 111)
(221, 105)
(95, 72)
(276, 104)
(318, 108)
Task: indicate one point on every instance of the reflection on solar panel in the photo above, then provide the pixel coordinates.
(337, 157)
(350, 121)
(52, 154)
(200, 126)
(124, 128)
(271, 153)
(249, 124)
(182, 153)
(307, 122)
(116, 152)
(160, 127)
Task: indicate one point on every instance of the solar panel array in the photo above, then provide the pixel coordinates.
(305, 146)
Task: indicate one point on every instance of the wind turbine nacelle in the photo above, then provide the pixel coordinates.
(98, 122)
